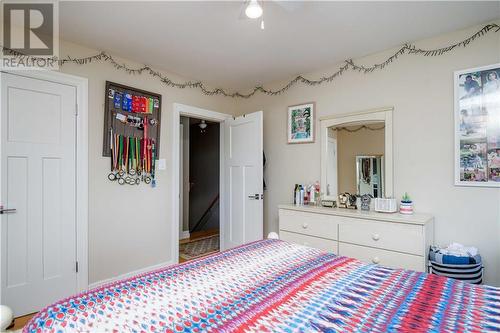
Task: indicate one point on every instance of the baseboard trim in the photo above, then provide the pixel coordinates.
(129, 274)
(184, 234)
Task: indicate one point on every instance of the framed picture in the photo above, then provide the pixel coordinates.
(301, 123)
(477, 126)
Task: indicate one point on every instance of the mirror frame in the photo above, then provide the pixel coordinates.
(352, 119)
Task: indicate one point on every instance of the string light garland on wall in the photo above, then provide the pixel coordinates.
(352, 129)
(406, 49)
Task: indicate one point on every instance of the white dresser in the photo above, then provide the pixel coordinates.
(393, 240)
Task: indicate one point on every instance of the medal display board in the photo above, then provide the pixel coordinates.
(131, 133)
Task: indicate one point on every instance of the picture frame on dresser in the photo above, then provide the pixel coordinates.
(477, 129)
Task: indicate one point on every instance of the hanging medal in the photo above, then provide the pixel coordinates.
(153, 155)
(151, 105)
(132, 157)
(142, 104)
(138, 155)
(121, 171)
(146, 177)
(112, 174)
(136, 104)
(117, 100)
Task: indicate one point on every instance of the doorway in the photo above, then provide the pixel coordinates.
(199, 204)
(241, 195)
(184, 117)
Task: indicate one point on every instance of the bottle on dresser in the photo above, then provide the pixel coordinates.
(306, 194)
(295, 189)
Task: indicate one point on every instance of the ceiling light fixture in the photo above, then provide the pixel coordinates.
(253, 10)
(202, 126)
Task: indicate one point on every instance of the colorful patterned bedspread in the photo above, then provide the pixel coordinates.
(274, 286)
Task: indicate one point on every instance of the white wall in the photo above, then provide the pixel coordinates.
(421, 91)
(129, 227)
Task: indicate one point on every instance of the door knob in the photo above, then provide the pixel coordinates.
(256, 196)
(7, 210)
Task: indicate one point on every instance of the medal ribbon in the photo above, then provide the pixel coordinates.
(120, 156)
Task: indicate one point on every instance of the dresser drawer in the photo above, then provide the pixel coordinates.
(319, 243)
(389, 236)
(308, 223)
(383, 257)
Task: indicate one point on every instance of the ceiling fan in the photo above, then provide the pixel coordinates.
(254, 9)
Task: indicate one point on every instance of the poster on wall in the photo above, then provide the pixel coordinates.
(477, 126)
(301, 123)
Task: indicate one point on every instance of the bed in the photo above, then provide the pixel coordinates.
(275, 286)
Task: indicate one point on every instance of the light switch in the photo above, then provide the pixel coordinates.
(162, 164)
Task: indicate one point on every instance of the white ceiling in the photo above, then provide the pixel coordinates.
(208, 40)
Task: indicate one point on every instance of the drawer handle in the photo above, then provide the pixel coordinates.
(376, 260)
(375, 237)
(304, 226)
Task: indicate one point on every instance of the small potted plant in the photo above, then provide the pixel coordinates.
(406, 205)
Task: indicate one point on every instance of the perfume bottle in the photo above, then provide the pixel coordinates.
(295, 194)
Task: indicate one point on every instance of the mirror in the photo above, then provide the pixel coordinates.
(369, 176)
(356, 154)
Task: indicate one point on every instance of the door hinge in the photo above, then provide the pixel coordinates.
(76, 266)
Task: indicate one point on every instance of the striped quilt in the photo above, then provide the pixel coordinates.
(274, 286)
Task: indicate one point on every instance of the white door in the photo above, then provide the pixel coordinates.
(331, 171)
(243, 180)
(38, 152)
(181, 181)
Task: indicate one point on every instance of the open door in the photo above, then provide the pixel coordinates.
(243, 180)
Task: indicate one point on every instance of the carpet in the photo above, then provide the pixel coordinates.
(199, 247)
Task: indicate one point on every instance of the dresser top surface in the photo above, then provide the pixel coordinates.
(417, 218)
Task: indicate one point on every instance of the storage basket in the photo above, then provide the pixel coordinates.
(465, 268)
(471, 273)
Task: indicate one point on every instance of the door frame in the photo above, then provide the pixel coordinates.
(194, 112)
(82, 193)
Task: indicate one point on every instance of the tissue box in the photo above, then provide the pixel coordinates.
(385, 205)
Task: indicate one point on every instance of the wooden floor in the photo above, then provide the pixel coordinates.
(197, 235)
(19, 322)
